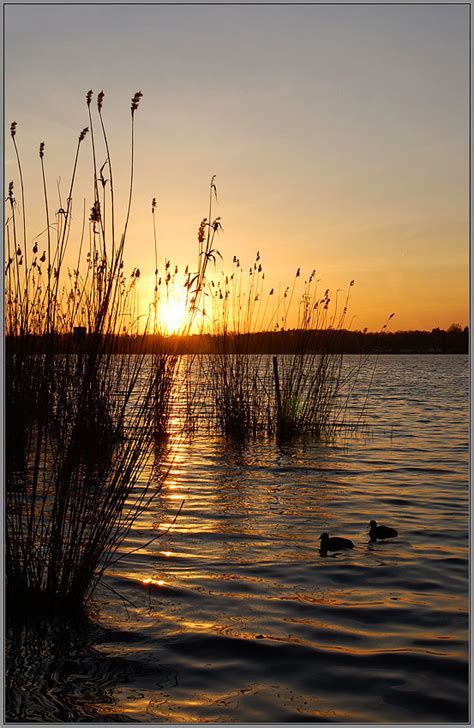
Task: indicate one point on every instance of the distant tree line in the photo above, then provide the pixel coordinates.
(454, 340)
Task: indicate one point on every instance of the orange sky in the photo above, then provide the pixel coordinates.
(339, 137)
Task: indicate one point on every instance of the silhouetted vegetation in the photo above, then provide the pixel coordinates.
(437, 341)
(81, 422)
(89, 391)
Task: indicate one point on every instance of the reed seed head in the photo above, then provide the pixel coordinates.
(13, 126)
(41, 150)
(83, 134)
(89, 97)
(213, 186)
(135, 101)
(201, 230)
(100, 100)
(95, 212)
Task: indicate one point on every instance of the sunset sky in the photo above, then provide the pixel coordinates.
(338, 134)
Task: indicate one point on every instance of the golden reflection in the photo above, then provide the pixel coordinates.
(179, 555)
(155, 582)
(134, 706)
(202, 625)
(162, 705)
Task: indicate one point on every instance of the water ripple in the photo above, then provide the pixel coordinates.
(234, 616)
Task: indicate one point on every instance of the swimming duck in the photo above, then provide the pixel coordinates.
(376, 532)
(335, 543)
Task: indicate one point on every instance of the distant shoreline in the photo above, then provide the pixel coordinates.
(438, 341)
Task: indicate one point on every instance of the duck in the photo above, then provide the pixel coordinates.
(376, 532)
(335, 543)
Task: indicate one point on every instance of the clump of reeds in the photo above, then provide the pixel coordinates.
(175, 369)
(80, 419)
(297, 393)
(234, 375)
(308, 381)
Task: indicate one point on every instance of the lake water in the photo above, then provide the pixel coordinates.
(234, 616)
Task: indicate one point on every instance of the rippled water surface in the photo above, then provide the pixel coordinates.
(234, 616)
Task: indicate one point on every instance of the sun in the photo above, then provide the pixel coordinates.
(171, 316)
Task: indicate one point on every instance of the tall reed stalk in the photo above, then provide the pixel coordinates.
(80, 419)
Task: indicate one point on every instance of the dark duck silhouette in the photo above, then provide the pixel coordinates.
(376, 532)
(334, 544)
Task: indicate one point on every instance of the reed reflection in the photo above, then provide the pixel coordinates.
(44, 654)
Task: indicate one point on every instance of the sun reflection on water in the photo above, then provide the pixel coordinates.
(155, 582)
(239, 573)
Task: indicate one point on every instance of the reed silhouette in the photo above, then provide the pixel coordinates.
(90, 389)
(81, 420)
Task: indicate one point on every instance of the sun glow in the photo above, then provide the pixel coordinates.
(171, 316)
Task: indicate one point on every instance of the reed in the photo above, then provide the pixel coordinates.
(81, 420)
(235, 377)
(299, 393)
(308, 384)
